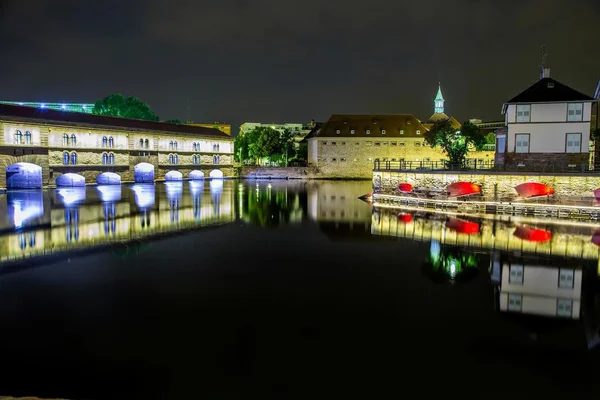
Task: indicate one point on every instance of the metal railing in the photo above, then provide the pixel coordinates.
(477, 165)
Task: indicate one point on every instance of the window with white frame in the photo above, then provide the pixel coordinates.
(515, 302)
(523, 112)
(575, 112)
(516, 274)
(573, 143)
(566, 278)
(522, 143)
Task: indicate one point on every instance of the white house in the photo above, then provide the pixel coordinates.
(537, 289)
(547, 125)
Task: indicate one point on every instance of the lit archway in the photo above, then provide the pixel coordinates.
(143, 173)
(70, 180)
(216, 174)
(173, 176)
(108, 178)
(196, 175)
(23, 175)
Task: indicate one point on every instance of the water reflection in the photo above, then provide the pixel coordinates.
(43, 222)
(450, 264)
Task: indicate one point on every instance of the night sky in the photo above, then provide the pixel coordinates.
(292, 61)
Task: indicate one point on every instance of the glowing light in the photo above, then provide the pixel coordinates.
(143, 173)
(405, 187)
(174, 176)
(453, 268)
(70, 180)
(144, 195)
(42, 105)
(196, 187)
(216, 186)
(72, 196)
(24, 206)
(174, 190)
(108, 178)
(216, 174)
(64, 106)
(109, 193)
(405, 217)
(196, 175)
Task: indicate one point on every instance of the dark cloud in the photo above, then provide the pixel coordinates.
(242, 60)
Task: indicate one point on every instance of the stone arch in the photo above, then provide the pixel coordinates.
(174, 176)
(216, 174)
(70, 180)
(108, 178)
(143, 173)
(23, 175)
(196, 175)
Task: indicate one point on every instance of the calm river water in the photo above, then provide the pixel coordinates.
(235, 289)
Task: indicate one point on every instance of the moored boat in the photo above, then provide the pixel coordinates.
(533, 189)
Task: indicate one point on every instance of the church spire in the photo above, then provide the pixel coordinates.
(439, 100)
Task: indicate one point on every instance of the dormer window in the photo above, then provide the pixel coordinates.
(418, 132)
(368, 131)
(337, 131)
(345, 121)
(575, 112)
(402, 131)
(550, 85)
(408, 122)
(352, 131)
(383, 131)
(374, 121)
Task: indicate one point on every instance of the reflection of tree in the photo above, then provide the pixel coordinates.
(269, 207)
(450, 264)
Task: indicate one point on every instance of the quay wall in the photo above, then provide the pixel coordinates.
(289, 173)
(492, 183)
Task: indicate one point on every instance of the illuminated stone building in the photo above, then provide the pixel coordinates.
(40, 145)
(346, 146)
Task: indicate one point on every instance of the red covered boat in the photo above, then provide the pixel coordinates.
(533, 189)
(532, 235)
(405, 217)
(405, 187)
(596, 238)
(458, 189)
(462, 226)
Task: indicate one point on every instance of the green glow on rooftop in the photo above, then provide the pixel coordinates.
(70, 107)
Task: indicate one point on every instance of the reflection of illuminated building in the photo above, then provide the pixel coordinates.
(24, 207)
(563, 240)
(196, 189)
(71, 221)
(174, 192)
(529, 287)
(449, 264)
(338, 202)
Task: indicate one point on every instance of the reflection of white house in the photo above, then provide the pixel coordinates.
(539, 290)
(548, 122)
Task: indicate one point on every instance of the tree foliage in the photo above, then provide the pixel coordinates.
(173, 121)
(117, 105)
(455, 143)
(266, 143)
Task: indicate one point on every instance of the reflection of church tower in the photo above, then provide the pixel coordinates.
(439, 101)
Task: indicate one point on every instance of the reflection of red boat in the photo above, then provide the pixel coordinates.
(596, 238)
(405, 187)
(597, 194)
(462, 226)
(532, 234)
(457, 189)
(405, 217)
(533, 189)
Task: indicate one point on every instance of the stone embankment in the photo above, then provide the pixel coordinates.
(285, 173)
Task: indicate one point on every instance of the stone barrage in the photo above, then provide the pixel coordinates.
(88, 151)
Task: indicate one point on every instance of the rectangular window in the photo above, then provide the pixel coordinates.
(573, 143)
(394, 143)
(575, 112)
(566, 278)
(516, 274)
(324, 143)
(523, 112)
(343, 143)
(342, 160)
(564, 308)
(357, 143)
(417, 144)
(369, 143)
(522, 143)
(401, 144)
(334, 159)
(333, 143)
(385, 143)
(515, 301)
(377, 143)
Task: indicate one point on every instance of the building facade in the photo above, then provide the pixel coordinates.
(347, 146)
(548, 124)
(37, 146)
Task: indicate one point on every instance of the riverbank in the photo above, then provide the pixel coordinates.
(307, 173)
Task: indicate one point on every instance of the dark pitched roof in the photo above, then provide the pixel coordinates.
(340, 125)
(49, 116)
(313, 132)
(548, 90)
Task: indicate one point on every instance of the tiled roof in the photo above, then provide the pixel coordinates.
(364, 126)
(548, 90)
(48, 116)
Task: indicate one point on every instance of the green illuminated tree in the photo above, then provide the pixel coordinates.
(455, 143)
(117, 105)
(287, 139)
(268, 143)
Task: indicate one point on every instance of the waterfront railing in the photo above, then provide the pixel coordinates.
(477, 165)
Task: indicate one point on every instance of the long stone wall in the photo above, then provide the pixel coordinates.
(277, 173)
(492, 184)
